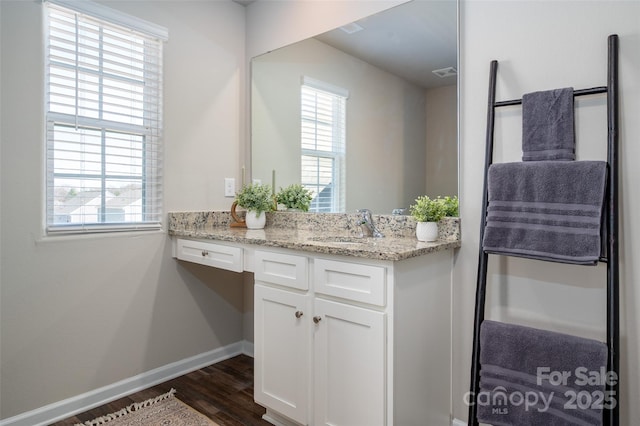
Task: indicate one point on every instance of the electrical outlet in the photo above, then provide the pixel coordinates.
(229, 187)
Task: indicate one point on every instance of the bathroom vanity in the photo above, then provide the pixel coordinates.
(348, 331)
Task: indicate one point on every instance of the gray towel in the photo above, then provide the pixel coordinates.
(548, 125)
(536, 377)
(547, 210)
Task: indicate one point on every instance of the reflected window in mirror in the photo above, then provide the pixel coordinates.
(323, 130)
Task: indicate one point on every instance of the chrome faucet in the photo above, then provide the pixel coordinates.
(367, 225)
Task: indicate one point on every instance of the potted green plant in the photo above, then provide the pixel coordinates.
(256, 199)
(295, 197)
(451, 205)
(428, 213)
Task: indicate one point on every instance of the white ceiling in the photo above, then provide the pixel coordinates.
(410, 40)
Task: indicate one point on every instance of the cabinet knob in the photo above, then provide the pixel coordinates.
(299, 314)
(317, 319)
(204, 253)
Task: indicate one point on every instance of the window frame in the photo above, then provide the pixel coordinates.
(148, 129)
(337, 154)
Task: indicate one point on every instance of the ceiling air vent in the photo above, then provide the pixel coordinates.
(351, 28)
(445, 72)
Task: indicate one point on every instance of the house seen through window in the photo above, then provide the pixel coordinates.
(323, 122)
(103, 121)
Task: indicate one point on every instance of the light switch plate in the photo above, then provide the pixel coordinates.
(229, 187)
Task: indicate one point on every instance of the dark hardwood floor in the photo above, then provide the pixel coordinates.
(222, 391)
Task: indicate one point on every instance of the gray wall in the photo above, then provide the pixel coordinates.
(79, 313)
(442, 141)
(544, 45)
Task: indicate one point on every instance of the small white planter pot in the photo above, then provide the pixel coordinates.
(255, 221)
(427, 231)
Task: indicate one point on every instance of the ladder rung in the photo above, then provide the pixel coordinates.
(579, 92)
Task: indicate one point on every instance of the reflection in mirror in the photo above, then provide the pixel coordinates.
(357, 114)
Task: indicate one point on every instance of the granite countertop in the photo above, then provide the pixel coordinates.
(334, 234)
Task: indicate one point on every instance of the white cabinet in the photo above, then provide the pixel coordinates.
(345, 341)
(210, 254)
(349, 365)
(362, 342)
(347, 344)
(282, 341)
(281, 269)
(297, 321)
(350, 281)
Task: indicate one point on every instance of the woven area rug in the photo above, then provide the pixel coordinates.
(165, 410)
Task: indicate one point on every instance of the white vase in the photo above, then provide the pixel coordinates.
(255, 221)
(427, 231)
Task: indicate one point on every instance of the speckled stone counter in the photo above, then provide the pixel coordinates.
(332, 233)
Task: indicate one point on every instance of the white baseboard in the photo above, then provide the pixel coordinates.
(457, 422)
(66, 408)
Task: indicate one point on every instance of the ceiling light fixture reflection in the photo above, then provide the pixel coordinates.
(445, 72)
(351, 28)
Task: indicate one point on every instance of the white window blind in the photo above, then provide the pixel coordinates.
(323, 122)
(103, 122)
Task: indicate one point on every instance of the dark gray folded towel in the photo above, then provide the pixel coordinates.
(547, 210)
(548, 125)
(537, 377)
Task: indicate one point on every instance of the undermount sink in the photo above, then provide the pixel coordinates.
(340, 240)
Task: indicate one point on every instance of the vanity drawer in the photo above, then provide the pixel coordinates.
(352, 281)
(210, 254)
(283, 269)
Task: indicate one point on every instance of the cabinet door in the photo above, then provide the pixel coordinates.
(349, 365)
(282, 341)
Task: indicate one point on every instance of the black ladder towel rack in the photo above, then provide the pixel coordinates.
(611, 415)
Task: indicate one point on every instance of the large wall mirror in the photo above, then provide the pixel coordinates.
(358, 113)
